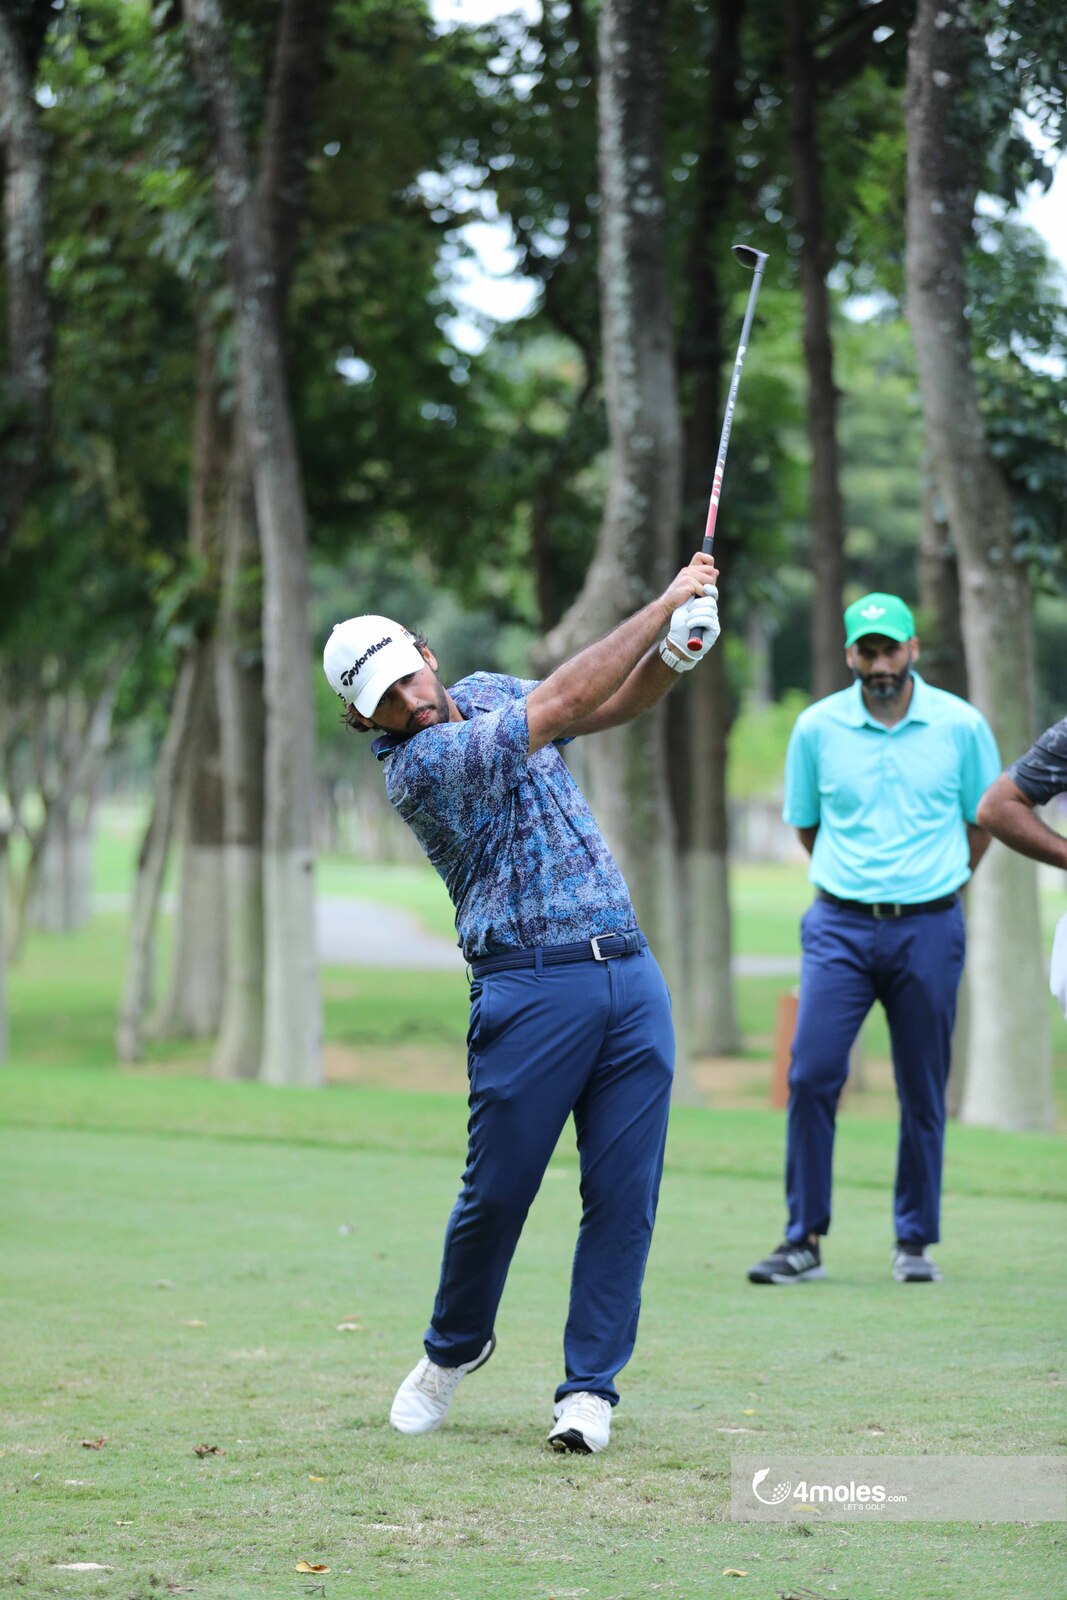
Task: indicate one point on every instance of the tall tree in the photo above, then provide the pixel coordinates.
(821, 60)
(702, 710)
(1008, 1078)
(292, 1021)
(635, 548)
(26, 382)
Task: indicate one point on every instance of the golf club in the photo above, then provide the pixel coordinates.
(755, 261)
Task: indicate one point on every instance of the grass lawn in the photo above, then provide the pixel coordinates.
(191, 1264)
(179, 1256)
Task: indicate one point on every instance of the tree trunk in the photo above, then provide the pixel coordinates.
(943, 662)
(702, 712)
(706, 910)
(25, 386)
(239, 667)
(151, 866)
(192, 1007)
(828, 669)
(635, 547)
(73, 735)
(1009, 1073)
(292, 1023)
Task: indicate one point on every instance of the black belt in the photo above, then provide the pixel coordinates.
(884, 912)
(602, 948)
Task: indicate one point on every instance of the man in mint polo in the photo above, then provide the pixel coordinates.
(882, 783)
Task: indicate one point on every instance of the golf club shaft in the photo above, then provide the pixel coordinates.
(697, 637)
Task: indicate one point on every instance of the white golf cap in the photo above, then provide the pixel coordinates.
(365, 656)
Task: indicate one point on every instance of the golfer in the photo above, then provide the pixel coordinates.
(1007, 812)
(569, 1011)
(882, 783)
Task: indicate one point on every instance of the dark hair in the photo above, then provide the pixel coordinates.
(349, 716)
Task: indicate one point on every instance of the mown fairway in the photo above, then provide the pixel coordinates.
(179, 1255)
(178, 1258)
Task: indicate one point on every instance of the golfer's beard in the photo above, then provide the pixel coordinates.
(885, 685)
(438, 704)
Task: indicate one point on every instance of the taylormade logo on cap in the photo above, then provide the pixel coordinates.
(364, 657)
(346, 677)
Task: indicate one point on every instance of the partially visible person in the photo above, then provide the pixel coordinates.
(882, 783)
(1007, 812)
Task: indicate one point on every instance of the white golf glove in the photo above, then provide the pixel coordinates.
(702, 611)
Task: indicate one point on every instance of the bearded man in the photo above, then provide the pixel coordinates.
(882, 783)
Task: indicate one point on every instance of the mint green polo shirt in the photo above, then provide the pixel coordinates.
(891, 804)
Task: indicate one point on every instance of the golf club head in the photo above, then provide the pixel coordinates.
(748, 257)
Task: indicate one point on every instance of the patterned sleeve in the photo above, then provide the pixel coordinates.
(1041, 773)
(462, 772)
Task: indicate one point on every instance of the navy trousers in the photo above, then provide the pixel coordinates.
(913, 966)
(592, 1038)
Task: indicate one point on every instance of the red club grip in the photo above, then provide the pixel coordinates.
(696, 638)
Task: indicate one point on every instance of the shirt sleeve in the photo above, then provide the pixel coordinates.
(800, 807)
(461, 773)
(1041, 773)
(980, 766)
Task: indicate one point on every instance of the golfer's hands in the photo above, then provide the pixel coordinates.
(696, 606)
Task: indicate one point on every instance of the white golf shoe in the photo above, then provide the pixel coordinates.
(583, 1423)
(422, 1401)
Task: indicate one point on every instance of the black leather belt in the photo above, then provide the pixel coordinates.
(884, 912)
(602, 948)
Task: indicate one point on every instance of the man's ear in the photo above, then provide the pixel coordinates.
(357, 723)
(913, 646)
(428, 656)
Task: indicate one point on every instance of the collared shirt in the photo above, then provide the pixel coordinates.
(509, 832)
(1041, 773)
(890, 803)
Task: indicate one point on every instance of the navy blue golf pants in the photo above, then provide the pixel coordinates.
(589, 1037)
(913, 966)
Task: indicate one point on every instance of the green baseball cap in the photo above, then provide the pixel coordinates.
(879, 613)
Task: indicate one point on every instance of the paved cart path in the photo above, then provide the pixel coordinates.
(364, 933)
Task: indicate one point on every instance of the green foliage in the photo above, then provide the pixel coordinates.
(1018, 310)
(758, 744)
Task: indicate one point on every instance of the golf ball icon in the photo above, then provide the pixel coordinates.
(779, 1493)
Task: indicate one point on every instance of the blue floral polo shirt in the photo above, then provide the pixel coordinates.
(509, 832)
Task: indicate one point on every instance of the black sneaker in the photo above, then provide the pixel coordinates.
(911, 1264)
(790, 1263)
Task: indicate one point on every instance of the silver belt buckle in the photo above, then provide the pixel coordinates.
(881, 915)
(594, 945)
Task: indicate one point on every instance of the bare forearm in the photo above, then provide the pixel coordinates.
(1008, 815)
(582, 685)
(978, 842)
(646, 684)
(807, 837)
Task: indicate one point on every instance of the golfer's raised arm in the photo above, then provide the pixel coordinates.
(1009, 815)
(620, 675)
